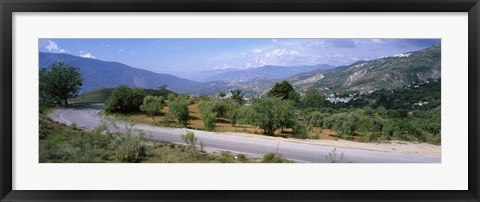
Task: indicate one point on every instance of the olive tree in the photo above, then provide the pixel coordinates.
(125, 100)
(271, 114)
(152, 105)
(178, 108)
(59, 82)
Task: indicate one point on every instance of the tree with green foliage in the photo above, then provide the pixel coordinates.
(59, 82)
(221, 107)
(363, 123)
(209, 114)
(171, 97)
(125, 100)
(239, 115)
(271, 114)
(222, 94)
(300, 130)
(286, 114)
(343, 123)
(152, 105)
(209, 120)
(285, 91)
(315, 118)
(237, 96)
(313, 99)
(179, 109)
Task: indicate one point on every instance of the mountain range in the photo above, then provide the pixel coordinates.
(101, 74)
(263, 72)
(360, 77)
(366, 76)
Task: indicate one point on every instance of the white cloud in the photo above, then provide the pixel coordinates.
(257, 51)
(133, 52)
(243, 53)
(86, 55)
(281, 56)
(52, 47)
(274, 41)
(121, 50)
(285, 52)
(224, 66)
(260, 62)
(247, 65)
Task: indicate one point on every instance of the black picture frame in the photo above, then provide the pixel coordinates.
(7, 7)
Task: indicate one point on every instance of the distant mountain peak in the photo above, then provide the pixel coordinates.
(264, 72)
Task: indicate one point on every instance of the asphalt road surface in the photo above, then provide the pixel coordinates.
(89, 117)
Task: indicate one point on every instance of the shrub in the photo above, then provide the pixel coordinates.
(226, 157)
(334, 157)
(125, 100)
(241, 158)
(222, 94)
(131, 147)
(191, 141)
(84, 151)
(152, 105)
(273, 158)
(51, 148)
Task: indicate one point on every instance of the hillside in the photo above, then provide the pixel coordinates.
(384, 73)
(101, 74)
(360, 77)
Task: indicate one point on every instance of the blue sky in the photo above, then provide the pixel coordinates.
(186, 57)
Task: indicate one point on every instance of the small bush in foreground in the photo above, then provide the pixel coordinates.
(273, 158)
(131, 148)
(191, 141)
(334, 157)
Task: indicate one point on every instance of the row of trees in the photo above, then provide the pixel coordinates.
(283, 108)
(277, 111)
(378, 123)
(128, 100)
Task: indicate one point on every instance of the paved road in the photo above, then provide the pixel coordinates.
(89, 117)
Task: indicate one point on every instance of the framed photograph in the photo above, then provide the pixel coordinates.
(239, 101)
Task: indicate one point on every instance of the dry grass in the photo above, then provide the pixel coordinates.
(59, 144)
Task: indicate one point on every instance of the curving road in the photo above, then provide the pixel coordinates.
(89, 117)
